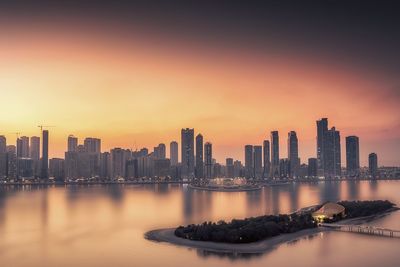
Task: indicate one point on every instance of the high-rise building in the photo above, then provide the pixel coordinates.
(199, 156)
(57, 169)
(248, 161)
(11, 162)
(237, 169)
(173, 153)
(312, 167)
(352, 156)
(293, 154)
(25, 168)
(274, 154)
(332, 156)
(258, 163)
(3, 156)
(71, 165)
(35, 154)
(24, 147)
(373, 165)
(322, 128)
(118, 162)
(45, 154)
(284, 167)
(3, 144)
(92, 145)
(72, 143)
(19, 148)
(187, 152)
(267, 159)
(105, 165)
(131, 169)
(162, 167)
(35, 148)
(230, 170)
(208, 159)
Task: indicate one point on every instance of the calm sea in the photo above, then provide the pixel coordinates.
(104, 225)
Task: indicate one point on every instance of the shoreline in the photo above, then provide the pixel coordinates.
(168, 235)
(225, 189)
(261, 183)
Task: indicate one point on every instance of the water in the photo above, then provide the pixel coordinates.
(104, 225)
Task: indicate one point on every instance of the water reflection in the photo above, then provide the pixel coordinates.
(48, 224)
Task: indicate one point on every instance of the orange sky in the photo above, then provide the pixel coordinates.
(143, 89)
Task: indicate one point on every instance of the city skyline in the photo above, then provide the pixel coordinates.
(137, 80)
(223, 155)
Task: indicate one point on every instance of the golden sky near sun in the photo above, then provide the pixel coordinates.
(140, 91)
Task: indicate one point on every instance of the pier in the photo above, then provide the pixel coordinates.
(363, 229)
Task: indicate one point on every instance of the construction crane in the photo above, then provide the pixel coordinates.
(44, 126)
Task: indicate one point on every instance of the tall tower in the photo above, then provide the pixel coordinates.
(35, 154)
(322, 128)
(352, 156)
(257, 158)
(199, 156)
(332, 156)
(187, 152)
(72, 143)
(173, 153)
(274, 154)
(293, 154)
(208, 159)
(45, 154)
(373, 165)
(248, 161)
(267, 159)
(3, 144)
(24, 147)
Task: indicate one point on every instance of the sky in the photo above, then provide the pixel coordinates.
(135, 73)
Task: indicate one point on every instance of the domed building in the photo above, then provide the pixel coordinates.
(329, 211)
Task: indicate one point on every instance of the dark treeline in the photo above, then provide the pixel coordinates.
(247, 230)
(354, 209)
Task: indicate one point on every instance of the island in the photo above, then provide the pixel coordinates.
(258, 234)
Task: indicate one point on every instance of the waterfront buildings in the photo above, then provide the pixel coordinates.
(352, 156)
(173, 153)
(293, 154)
(248, 161)
(274, 154)
(199, 157)
(322, 128)
(187, 152)
(208, 160)
(258, 162)
(373, 164)
(45, 154)
(266, 159)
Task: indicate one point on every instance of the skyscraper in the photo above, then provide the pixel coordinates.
(352, 156)
(322, 128)
(248, 161)
(267, 159)
(117, 162)
(45, 154)
(258, 163)
(187, 152)
(293, 154)
(3, 144)
(72, 143)
(274, 154)
(373, 164)
(208, 159)
(3, 157)
(230, 171)
(173, 153)
(332, 156)
(35, 154)
(24, 147)
(199, 156)
(92, 145)
(312, 167)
